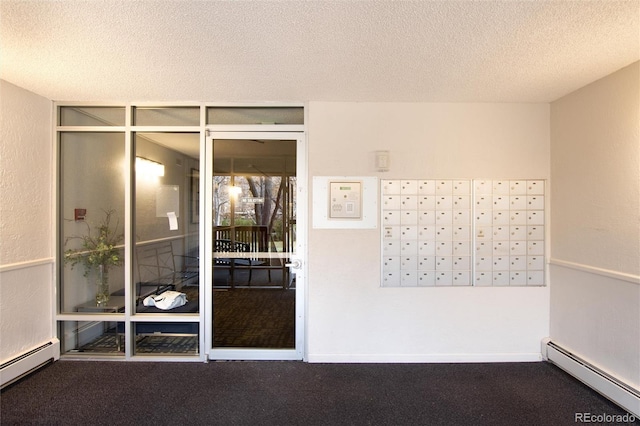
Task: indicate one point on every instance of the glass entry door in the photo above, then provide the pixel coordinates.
(255, 200)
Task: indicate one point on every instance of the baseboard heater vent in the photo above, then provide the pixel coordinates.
(29, 361)
(600, 381)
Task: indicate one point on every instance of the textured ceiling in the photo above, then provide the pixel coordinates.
(425, 51)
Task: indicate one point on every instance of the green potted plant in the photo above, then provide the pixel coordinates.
(98, 251)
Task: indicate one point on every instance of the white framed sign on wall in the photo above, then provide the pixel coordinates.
(345, 202)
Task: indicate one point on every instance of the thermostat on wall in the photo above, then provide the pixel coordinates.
(345, 202)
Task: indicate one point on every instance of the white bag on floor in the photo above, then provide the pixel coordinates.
(167, 300)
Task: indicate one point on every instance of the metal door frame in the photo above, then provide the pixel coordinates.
(298, 259)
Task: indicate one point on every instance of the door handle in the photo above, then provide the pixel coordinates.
(295, 264)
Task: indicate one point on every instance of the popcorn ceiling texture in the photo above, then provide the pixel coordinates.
(431, 51)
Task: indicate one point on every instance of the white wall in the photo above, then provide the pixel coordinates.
(595, 246)
(350, 317)
(26, 225)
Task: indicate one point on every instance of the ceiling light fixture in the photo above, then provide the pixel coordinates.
(146, 167)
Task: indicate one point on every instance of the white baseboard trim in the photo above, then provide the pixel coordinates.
(598, 380)
(424, 358)
(29, 361)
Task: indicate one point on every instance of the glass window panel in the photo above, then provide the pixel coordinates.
(162, 338)
(91, 116)
(91, 337)
(255, 115)
(92, 219)
(167, 116)
(167, 221)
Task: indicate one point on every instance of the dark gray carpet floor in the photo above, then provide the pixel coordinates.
(296, 393)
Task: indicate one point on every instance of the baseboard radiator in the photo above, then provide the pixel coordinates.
(605, 384)
(29, 361)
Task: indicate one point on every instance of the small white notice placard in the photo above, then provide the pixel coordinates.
(173, 221)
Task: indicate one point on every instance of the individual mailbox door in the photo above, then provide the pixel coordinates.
(390, 187)
(409, 202)
(409, 248)
(518, 232)
(518, 263)
(461, 202)
(444, 187)
(501, 202)
(444, 278)
(426, 278)
(391, 217)
(444, 217)
(535, 278)
(409, 187)
(461, 278)
(535, 248)
(484, 263)
(535, 217)
(461, 187)
(427, 217)
(409, 217)
(426, 232)
(461, 217)
(409, 278)
(501, 278)
(518, 278)
(535, 202)
(444, 248)
(426, 248)
(535, 187)
(409, 263)
(501, 263)
(426, 202)
(484, 278)
(518, 202)
(461, 263)
(535, 232)
(484, 202)
(518, 187)
(391, 248)
(391, 279)
(500, 187)
(461, 233)
(427, 187)
(501, 217)
(391, 202)
(444, 233)
(461, 248)
(426, 263)
(409, 232)
(444, 202)
(391, 263)
(392, 232)
(483, 187)
(444, 263)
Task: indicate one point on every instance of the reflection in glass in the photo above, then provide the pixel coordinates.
(255, 115)
(167, 116)
(254, 235)
(91, 116)
(161, 338)
(92, 219)
(92, 337)
(166, 257)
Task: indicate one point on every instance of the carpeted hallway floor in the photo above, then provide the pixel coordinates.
(296, 393)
